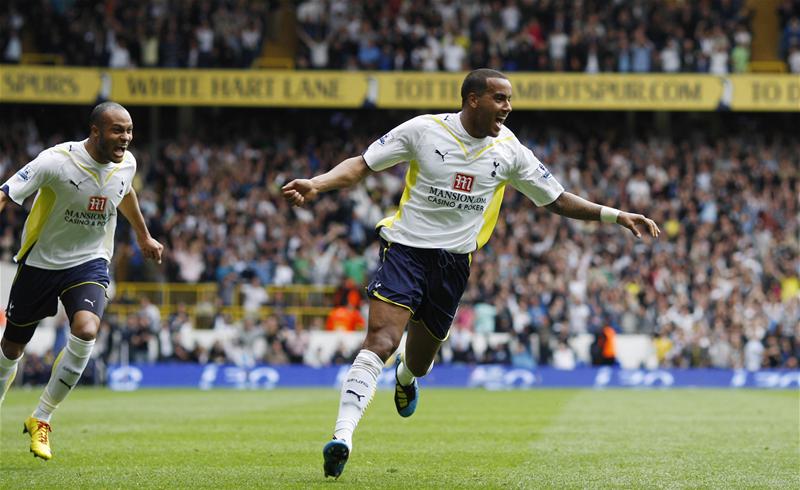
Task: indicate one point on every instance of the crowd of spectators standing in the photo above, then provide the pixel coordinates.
(722, 281)
(591, 36)
(152, 33)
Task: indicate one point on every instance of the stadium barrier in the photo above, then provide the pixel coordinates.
(388, 90)
(493, 377)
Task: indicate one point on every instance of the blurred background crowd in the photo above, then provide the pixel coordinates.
(592, 36)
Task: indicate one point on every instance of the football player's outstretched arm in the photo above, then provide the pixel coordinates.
(572, 206)
(348, 173)
(129, 207)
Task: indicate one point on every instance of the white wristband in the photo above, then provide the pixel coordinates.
(608, 215)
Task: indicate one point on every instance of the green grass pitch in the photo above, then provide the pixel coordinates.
(457, 439)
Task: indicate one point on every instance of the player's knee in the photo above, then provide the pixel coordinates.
(11, 350)
(381, 344)
(85, 325)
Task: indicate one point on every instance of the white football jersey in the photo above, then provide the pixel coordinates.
(455, 183)
(74, 214)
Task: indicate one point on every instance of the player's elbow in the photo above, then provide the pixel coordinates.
(557, 206)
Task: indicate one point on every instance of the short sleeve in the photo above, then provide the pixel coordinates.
(30, 178)
(398, 145)
(129, 184)
(533, 179)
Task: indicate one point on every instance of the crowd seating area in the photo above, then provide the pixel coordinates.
(153, 33)
(720, 288)
(513, 35)
(635, 36)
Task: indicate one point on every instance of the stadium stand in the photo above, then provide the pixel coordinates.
(550, 35)
(706, 299)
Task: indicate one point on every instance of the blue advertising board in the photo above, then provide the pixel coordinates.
(491, 377)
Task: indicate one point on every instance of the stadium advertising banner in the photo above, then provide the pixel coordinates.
(48, 85)
(493, 377)
(239, 88)
(395, 90)
(766, 93)
(565, 91)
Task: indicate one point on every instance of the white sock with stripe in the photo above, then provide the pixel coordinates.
(357, 391)
(67, 370)
(8, 369)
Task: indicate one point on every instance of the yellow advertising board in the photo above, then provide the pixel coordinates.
(49, 85)
(239, 88)
(395, 90)
(566, 91)
(766, 93)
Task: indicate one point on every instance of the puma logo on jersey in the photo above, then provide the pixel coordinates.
(77, 186)
(496, 165)
(440, 153)
(89, 301)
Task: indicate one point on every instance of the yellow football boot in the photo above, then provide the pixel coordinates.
(40, 437)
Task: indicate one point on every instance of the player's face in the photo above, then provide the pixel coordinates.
(493, 106)
(115, 135)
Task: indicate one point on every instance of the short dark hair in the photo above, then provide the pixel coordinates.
(97, 113)
(475, 81)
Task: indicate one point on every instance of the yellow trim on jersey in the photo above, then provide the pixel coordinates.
(81, 284)
(411, 181)
(493, 143)
(461, 144)
(86, 169)
(442, 124)
(110, 174)
(377, 295)
(490, 215)
(36, 220)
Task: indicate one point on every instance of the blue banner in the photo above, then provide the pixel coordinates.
(126, 378)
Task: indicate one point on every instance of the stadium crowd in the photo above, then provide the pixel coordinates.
(720, 288)
(155, 33)
(509, 35)
(525, 35)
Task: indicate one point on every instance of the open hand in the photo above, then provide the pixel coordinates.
(634, 221)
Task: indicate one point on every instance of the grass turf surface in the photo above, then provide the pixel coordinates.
(457, 439)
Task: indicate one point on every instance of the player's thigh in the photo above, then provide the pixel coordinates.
(387, 321)
(88, 296)
(33, 296)
(400, 278)
(83, 288)
(445, 285)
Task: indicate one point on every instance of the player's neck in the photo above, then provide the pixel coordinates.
(469, 126)
(91, 149)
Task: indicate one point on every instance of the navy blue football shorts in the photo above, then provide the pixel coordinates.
(35, 293)
(428, 282)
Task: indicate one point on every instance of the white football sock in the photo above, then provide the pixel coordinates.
(8, 369)
(67, 370)
(404, 375)
(357, 391)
